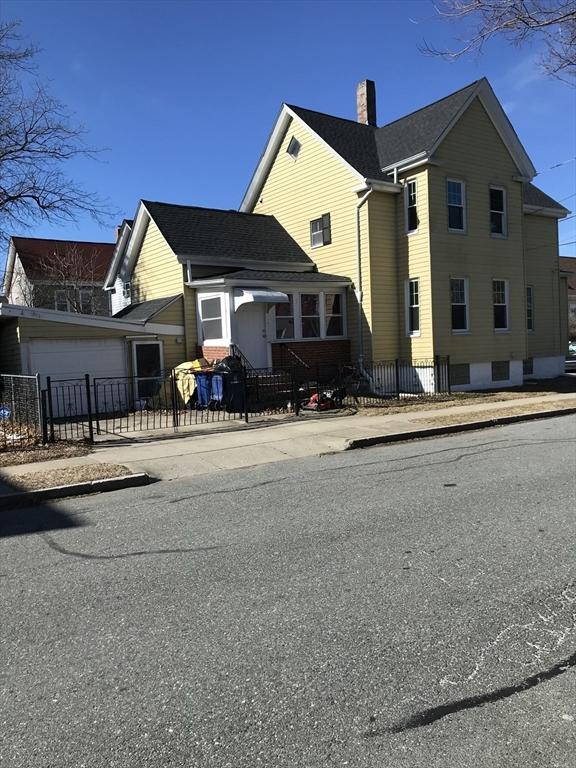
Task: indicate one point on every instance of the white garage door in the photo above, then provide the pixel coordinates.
(67, 361)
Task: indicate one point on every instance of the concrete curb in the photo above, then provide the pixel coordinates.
(367, 442)
(10, 500)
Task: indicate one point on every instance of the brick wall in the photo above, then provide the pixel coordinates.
(327, 352)
(213, 353)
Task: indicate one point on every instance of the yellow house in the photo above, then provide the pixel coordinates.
(451, 249)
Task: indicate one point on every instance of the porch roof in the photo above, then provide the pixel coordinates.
(253, 277)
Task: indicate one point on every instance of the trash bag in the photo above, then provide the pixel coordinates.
(228, 364)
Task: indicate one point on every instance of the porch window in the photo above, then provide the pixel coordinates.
(455, 201)
(285, 319)
(211, 318)
(310, 313)
(334, 314)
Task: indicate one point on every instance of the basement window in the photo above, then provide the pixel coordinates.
(293, 148)
(500, 370)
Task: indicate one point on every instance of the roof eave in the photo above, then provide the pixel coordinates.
(222, 280)
(280, 266)
(538, 210)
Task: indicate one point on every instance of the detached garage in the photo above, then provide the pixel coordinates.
(67, 345)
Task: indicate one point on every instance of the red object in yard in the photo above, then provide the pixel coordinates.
(320, 403)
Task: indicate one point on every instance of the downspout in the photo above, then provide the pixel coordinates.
(358, 291)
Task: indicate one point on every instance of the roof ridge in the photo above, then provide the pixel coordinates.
(206, 208)
(333, 117)
(432, 103)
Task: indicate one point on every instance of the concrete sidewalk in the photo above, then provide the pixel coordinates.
(202, 453)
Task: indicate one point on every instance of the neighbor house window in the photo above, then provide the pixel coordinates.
(61, 301)
(459, 303)
(529, 308)
(500, 303)
(127, 290)
(500, 370)
(211, 318)
(411, 207)
(497, 211)
(285, 319)
(310, 315)
(85, 302)
(413, 308)
(320, 233)
(334, 314)
(293, 147)
(455, 201)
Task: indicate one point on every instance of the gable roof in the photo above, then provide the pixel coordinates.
(145, 310)
(217, 235)
(372, 152)
(90, 260)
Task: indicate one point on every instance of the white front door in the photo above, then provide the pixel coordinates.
(250, 335)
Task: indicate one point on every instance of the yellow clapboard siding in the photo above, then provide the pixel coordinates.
(157, 272)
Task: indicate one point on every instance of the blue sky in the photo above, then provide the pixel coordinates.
(183, 94)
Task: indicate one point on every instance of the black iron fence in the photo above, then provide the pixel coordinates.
(20, 411)
(80, 409)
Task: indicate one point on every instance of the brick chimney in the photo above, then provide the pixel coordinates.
(366, 102)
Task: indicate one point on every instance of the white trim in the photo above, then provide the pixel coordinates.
(461, 331)
(297, 315)
(464, 229)
(268, 266)
(115, 262)
(283, 121)
(407, 182)
(407, 306)
(402, 165)
(378, 186)
(554, 213)
(285, 285)
(100, 321)
(225, 319)
(507, 297)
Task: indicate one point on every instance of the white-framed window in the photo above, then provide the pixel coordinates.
(411, 205)
(320, 231)
(211, 318)
(293, 147)
(285, 319)
(529, 308)
(500, 304)
(412, 307)
(85, 301)
(61, 302)
(459, 304)
(127, 290)
(310, 315)
(498, 218)
(456, 202)
(334, 314)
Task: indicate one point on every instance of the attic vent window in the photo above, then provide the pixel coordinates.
(293, 148)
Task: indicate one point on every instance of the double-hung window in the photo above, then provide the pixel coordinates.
(85, 301)
(500, 304)
(412, 308)
(411, 206)
(456, 205)
(285, 319)
(211, 318)
(459, 303)
(498, 211)
(320, 231)
(61, 301)
(310, 315)
(529, 308)
(334, 314)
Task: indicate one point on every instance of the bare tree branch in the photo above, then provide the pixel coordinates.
(37, 138)
(553, 22)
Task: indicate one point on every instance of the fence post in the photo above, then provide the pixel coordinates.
(175, 414)
(44, 416)
(437, 386)
(295, 397)
(89, 408)
(245, 392)
(448, 382)
(96, 409)
(50, 407)
(397, 376)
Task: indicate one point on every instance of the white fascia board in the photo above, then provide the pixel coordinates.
(419, 159)
(268, 156)
(281, 266)
(283, 285)
(7, 281)
(378, 186)
(164, 329)
(119, 254)
(500, 122)
(555, 213)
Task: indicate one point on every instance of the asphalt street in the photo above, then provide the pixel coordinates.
(408, 606)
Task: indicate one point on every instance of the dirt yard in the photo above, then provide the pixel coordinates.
(83, 473)
(43, 453)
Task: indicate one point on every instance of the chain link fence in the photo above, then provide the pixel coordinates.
(20, 411)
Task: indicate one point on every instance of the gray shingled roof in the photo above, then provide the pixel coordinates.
(211, 233)
(295, 277)
(145, 310)
(368, 149)
(534, 196)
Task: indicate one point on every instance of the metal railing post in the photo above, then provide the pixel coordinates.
(397, 375)
(50, 407)
(89, 407)
(175, 415)
(448, 382)
(44, 416)
(245, 392)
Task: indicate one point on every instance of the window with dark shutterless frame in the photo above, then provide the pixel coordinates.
(500, 304)
(413, 307)
(334, 313)
(529, 308)
(497, 211)
(310, 315)
(285, 319)
(411, 206)
(459, 303)
(456, 205)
